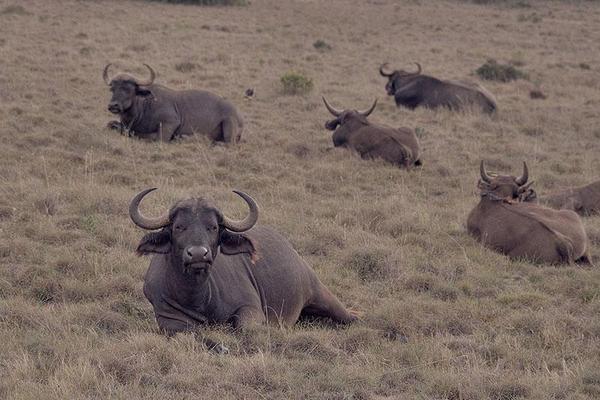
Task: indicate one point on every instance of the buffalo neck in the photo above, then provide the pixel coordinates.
(134, 113)
(187, 289)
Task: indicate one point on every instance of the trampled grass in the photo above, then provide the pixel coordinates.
(443, 317)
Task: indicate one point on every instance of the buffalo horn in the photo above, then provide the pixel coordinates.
(484, 176)
(332, 110)
(382, 72)
(368, 112)
(523, 178)
(142, 221)
(246, 223)
(105, 74)
(150, 81)
(419, 67)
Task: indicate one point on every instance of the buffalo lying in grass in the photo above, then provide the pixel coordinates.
(208, 268)
(584, 200)
(412, 90)
(153, 111)
(398, 146)
(525, 230)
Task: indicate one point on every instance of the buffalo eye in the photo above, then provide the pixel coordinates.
(179, 228)
(211, 228)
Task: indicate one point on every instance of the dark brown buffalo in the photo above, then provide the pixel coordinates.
(525, 230)
(210, 269)
(584, 200)
(412, 90)
(398, 146)
(153, 111)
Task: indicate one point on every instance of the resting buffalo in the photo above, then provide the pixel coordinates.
(398, 146)
(584, 200)
(154, 111)
(524, 230)
(412, 90)
(208, 268)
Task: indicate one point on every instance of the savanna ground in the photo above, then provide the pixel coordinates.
(444, 318)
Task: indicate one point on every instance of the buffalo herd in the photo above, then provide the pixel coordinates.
(207, 268)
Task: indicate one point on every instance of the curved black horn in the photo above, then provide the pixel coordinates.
(335, 112)
(370, 110)
(382, 72)
(150, 80)
(246, 223)
(105, 74)
(141, 220)
(419, 67)
(521, 180)
(484, 176)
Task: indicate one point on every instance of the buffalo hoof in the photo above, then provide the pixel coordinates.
(116, 125)
(219, 348)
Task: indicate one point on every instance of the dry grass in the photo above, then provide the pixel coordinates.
(444, 317)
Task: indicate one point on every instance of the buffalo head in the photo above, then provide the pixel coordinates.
(124, 88)
(397, 78)
(501, 187)
(343, 116)
(193, 231)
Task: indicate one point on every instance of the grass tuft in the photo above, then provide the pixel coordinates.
(369, 264)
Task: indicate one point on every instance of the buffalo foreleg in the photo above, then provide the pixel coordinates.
(115, 125)
(247, 316)
(407, 98)
(166, 131)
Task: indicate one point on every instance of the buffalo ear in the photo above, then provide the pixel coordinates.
(234, 243)
(332, 125)
(155, 242)
(143, 91)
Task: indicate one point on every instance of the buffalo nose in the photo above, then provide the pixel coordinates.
(196, 253)
(203, 251)
(189, 253)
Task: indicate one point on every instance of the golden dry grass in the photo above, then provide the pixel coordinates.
(444, 317)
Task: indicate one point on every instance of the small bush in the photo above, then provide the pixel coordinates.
(506, 3)
(15, 10)
(493, 71)
(294, 83)
(321, 45)
(186, 66)
(537, 94)
(208, 2)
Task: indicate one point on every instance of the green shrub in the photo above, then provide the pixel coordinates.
(208, 2)
(321, 45)
(294, 83)
(493, 71)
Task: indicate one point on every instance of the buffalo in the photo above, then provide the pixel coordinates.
(525, 230)
(149, 110)
(412, 90)
(207, 268)
(398, 146)
(584, 200)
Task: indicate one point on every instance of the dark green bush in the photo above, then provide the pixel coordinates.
(493, 71)
(208, 2)
(321, 45)
(294, 83)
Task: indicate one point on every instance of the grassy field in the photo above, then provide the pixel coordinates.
(444, 318)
